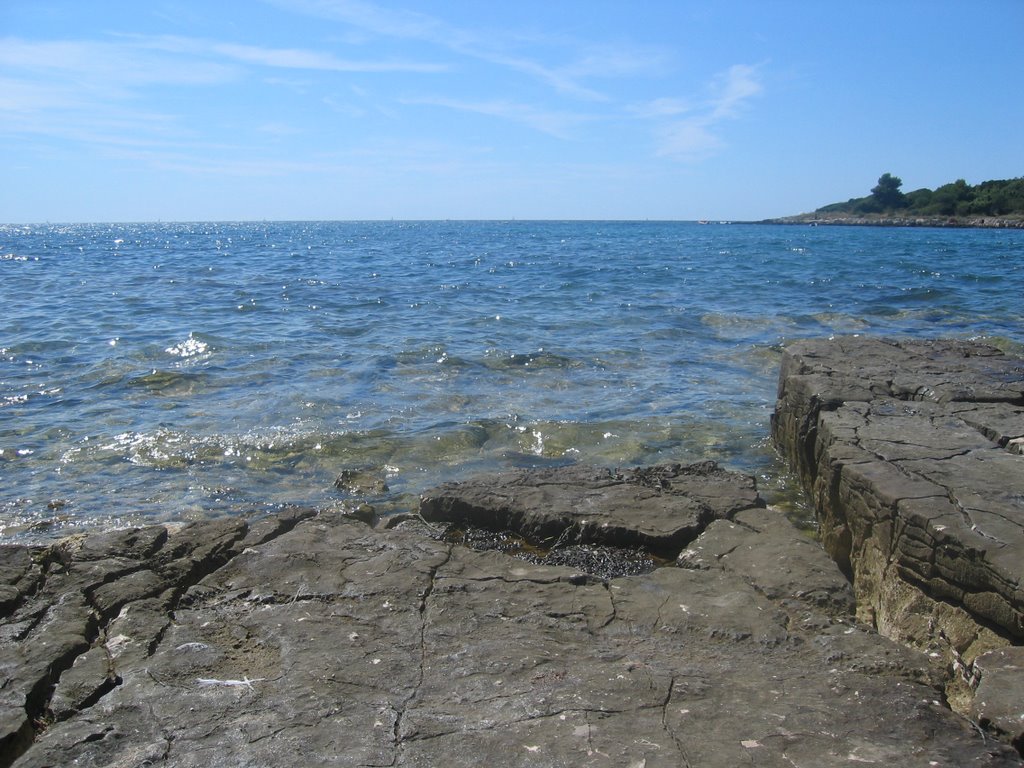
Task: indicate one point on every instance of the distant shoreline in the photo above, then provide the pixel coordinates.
(879, 220)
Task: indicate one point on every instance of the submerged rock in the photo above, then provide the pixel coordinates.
(361, 482)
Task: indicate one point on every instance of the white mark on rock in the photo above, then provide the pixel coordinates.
(185, 646)
(243, 683)
(533, 748)
(750, 743)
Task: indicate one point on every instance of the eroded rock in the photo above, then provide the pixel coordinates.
(63, 628)
(908, 450)
(660, 508)
(328, 642)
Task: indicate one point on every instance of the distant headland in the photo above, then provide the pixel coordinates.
(957, 204)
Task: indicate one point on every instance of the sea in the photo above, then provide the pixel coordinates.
(170, 372)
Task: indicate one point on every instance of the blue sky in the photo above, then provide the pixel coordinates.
(345, 109)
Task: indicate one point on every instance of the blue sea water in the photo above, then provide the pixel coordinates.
(171, 372)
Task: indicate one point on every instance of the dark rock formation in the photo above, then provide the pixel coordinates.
(911, 451)
(659, 508)
(316, 640)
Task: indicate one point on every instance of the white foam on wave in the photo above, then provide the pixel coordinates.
(190, 347)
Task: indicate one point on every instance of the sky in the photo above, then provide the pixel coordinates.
(200, 110)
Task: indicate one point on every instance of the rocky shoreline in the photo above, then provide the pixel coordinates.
(880, 220)
(574, 616)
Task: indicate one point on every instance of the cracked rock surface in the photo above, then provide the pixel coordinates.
(315, 640)
(659, 508)
(912, 454)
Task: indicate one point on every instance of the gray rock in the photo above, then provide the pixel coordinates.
(998, 704)
(780, 561)
(361, 482)
(659, 508)
(327, 642)
(910, 452)
(58, 655)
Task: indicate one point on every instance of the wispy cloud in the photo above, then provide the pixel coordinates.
(661, 107)
(110, 67)
(732, 90)
(687, 139)
(286, 58)
(554, 123)
(71, 70)
(182, 95)
(95, 91)
(686, 132)
(88, 91)
(373, 18)
(279, 129)
(578, 69)
(582, 61)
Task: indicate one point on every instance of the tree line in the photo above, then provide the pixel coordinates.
(989, 198)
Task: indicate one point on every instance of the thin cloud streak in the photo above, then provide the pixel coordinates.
(107, 67)
(299, 59)
(285, 58)
(734, 88)
(694, 136)
(87, 90)
(662, 107)
(557, 124)
(155, 100)
(492, 48)
(683, 130)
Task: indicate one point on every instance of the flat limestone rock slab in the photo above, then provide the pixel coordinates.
(659, 508)
(911, 452)
(327, 642)
(65, 628)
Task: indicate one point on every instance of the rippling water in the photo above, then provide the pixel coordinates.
(163, 372)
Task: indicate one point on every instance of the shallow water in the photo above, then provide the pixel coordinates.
(165, 372)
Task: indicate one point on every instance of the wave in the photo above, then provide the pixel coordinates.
(433, 349)
(192, 347)
(171, 382)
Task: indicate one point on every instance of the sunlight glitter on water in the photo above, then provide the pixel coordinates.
(427, 351)
(190, 347)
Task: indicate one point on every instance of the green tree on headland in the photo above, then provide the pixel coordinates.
(958, 198)
(887, 194)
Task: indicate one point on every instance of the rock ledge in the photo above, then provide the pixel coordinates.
(912, 454)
